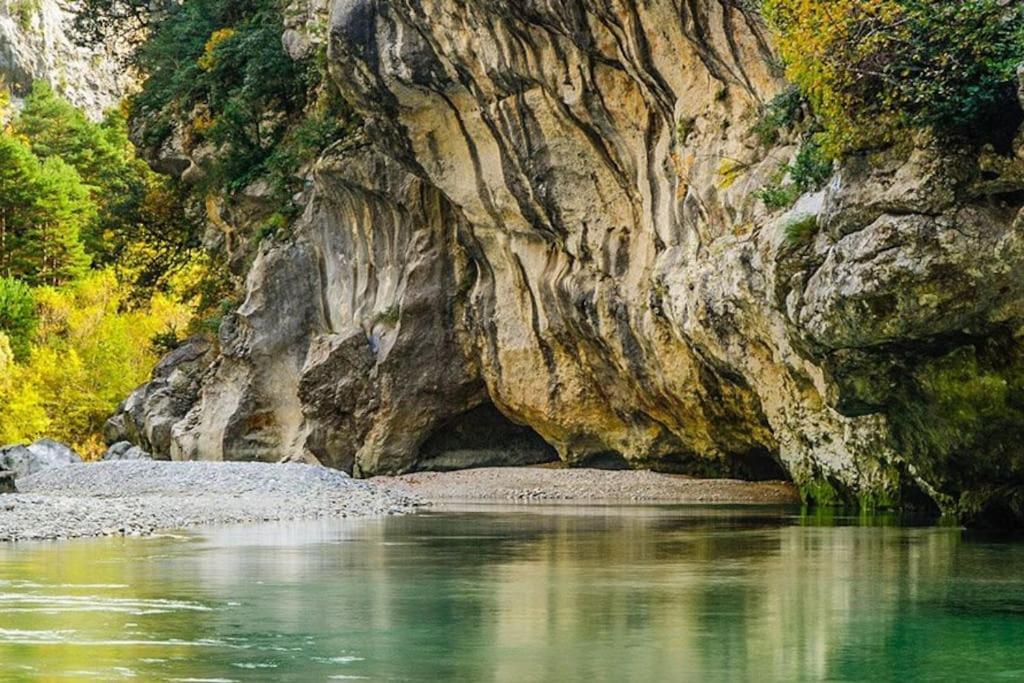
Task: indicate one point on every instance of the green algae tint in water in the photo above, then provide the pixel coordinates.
(520, 594)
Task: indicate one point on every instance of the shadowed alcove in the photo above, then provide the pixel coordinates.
(483, 437)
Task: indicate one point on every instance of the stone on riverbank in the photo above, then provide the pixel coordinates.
(522, 484)
(23, 461)
(124, 450)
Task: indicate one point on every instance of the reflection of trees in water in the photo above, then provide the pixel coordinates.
(69, 606)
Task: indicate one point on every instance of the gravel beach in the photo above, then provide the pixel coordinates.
(138, 498)
(556, 484)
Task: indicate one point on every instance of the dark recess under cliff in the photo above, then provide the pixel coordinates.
(483, 437)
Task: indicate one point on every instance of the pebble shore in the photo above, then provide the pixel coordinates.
(525, 484)
(139, 498)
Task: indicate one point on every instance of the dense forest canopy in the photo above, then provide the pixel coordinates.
(101, 265)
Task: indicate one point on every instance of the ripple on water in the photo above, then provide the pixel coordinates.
(62, 604)
(67, 637)
(20, 583)
(255, 665)
(338, 660)
(23, 637)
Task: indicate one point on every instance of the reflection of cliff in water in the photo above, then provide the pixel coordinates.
(538, 593)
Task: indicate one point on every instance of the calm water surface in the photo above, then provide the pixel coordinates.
(520, 594)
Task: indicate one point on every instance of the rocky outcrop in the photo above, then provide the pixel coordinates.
(21, 461)
(552, 217)
(147, 416)
(36, 43)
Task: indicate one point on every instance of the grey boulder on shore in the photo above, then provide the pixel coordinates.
(124, 450)
(17, 461)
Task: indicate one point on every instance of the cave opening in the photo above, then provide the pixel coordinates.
(757, 464)
(483, 437)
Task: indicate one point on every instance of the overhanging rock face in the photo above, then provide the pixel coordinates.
(552, 211)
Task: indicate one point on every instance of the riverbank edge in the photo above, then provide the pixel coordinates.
(144, 498)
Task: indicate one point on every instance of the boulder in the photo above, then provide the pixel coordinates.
(124, 450)
(22, 461)
(148, 414)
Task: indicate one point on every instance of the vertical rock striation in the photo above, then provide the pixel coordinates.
(551, 216)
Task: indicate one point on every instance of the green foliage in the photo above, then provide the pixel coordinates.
(98, 22)
(18, 320)
(53, 127)
(873, 68)
(777, 196)
(210, 323)
(43, 208)
(166, 340)
(684, 126)
(784, 111)
(389, 316)
(74, 339)
(818, 490)
(809, 172)
(811, 169)
(272, 226)
(24, 11)
(126, 214)
(801, 230)
(218, 69)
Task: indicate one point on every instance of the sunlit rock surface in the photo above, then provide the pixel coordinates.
(37, 43)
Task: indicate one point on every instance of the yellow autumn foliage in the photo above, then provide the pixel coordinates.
(88, 354)
(874, 70)
(209, 57)
(820, 44)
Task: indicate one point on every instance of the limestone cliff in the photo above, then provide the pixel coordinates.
(36, 43)
(549, 227)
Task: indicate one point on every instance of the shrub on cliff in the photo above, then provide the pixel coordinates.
(872, 68)
(218, 70)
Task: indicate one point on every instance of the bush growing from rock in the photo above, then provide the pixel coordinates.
(872, 68)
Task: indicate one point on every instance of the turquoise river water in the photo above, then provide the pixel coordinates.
(521, 594)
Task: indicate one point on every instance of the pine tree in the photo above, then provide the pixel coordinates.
(43, 207)
(18, 189)
(63, 208)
